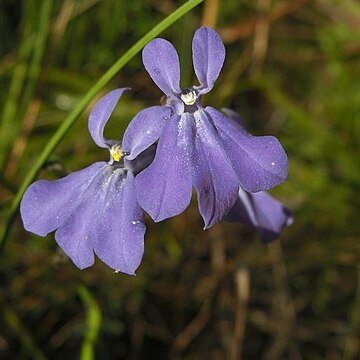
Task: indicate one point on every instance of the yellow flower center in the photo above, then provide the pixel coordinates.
(116, 152)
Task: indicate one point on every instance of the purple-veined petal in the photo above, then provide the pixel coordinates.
(215, 180)
(100, 222)
(46, 205)
(161, 61)
(259, 161)
(144, 129)
(119, 235)
(164, 188)
(208, 57)
(100, 115)
(260, 210)
(94, 209)
(76, 235)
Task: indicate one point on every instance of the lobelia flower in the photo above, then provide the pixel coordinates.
(260, 210)
(95, 210)
(200, 147)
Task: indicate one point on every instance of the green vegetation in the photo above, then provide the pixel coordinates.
(292, 70)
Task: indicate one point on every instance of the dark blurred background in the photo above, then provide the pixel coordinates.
(292, 70)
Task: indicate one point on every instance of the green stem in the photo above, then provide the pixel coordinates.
(93, 322)
(70, 119)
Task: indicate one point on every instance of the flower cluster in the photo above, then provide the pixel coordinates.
(166, 151)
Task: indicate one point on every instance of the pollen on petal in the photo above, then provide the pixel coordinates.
(116, 152)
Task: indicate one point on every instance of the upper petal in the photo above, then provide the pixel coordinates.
(100, 115)
(48, 204)
(164, 188)
(215, 180)
(144, 129)
(260, 210)
(208, 57)
(119, 233)
(259, 161)
(161, 61)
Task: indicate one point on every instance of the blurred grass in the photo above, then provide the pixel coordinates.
(291, 71)
(93, 321)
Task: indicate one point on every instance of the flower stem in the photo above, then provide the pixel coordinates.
(93, 322)
(74, 114)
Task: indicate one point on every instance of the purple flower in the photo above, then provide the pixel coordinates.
(95, 210)
(260, 210)
(200, 147)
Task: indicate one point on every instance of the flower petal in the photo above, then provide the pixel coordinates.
(92, 209)
(208, 57)
(144, 129)
(76, 235)
(100, 115)
(235, 116)
(259, 161)
(161, 61)
(215, 180)
(108, 220)
(46, 205)
(119, 236)
(164, 188)
(261, 211)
